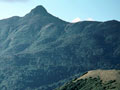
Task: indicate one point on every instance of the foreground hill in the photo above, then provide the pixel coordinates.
(95, 80)
(40, 51)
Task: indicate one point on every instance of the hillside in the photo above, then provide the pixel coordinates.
(95, 80)
(40, 51)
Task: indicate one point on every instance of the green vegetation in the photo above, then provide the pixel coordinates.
(95, 80)
(40, 51)
(89, 84)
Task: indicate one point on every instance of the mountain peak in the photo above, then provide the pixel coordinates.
(39, 10)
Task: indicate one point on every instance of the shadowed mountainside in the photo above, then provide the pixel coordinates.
(39, 50)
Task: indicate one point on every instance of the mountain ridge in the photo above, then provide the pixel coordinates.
(41, 10)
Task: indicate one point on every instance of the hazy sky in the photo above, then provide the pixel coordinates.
(100, 10)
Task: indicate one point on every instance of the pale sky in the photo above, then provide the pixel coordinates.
(68, 10)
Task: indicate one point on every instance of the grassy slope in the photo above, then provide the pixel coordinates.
(95, 80)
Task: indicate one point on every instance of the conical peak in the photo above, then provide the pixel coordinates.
(39, 10)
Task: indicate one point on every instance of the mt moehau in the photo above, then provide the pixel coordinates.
(42, 52)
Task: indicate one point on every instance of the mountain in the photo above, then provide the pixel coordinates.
(40, 51)
(95, 80)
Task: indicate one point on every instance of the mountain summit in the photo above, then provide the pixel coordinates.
(39, 10)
